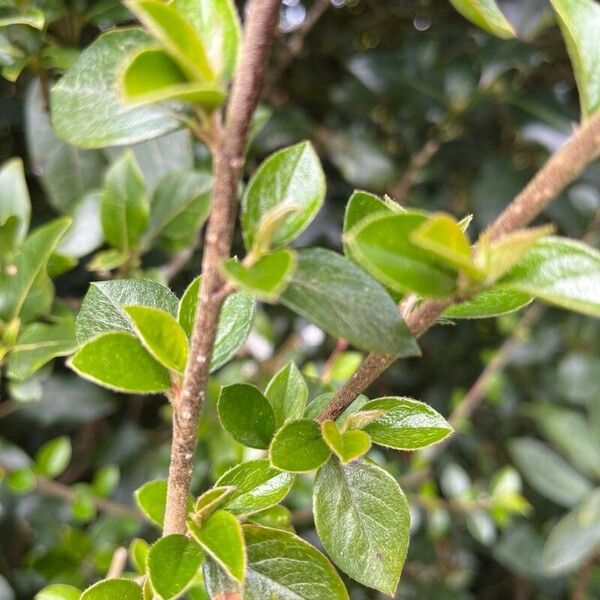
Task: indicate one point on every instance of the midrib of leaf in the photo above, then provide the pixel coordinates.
(39, 345)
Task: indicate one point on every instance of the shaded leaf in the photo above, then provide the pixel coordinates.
(287, 393)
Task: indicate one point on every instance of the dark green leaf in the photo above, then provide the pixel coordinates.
(287, 393)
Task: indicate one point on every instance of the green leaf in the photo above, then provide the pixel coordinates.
(235, 322)
(87, 109)
(246, 415)
(53, 457)
(102, 310)
(278, 517)
(85, 234)
(491, 303)
(21, 481)
(152, 500)
(125, 208)
(210, 501)
(559, 271)
(575, 538)
(287, 393)
(280, 565)
(151, 75)
(176, 35)
(180, 206)
(38, 344)
(173, 562)
(107, 260)
(106, 480)
(221, 537)
(22, 15)
(111, 589)
(292, 175)
(120, 362)
(58, 591)
(344, 301)
(362, 518)
(579, 22)
(161, 335)
(382, 245)
(548, 473)
(14, 199)
(257, 486)
(138, 554)
(22, 276)
(299, 447)
(65, 172)
(218, 26)
(406, 424)
(348, 445)
(486, 15)
(265, 278)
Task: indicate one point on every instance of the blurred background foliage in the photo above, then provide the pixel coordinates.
(403, 98)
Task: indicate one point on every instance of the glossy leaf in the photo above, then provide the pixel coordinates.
(125, 208)
(287, 393)
(220, 536)
(53, 457)
(486, 15)
(559, 271)
(344, 301)
(347, 445)
(152, 500)
(87, 109)
(266, 278)
(102, 310)
(406, 424)
(257, 486)
(120, 362)
(14, 199)
(579, 22)
(210, 501)
(491, 303)
(246, 415)
(173, 562)
(124, 589)
(161, 335)
(299, 447)
(235, 322)
(362, 518)
(292, 175)
(383, 246)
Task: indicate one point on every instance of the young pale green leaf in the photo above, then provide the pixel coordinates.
(138, 554)
(280, 565)
(347, 303)
(549, 473)
(490, 303)
(151, 75)
(362, 518)
(406, 424)
(360, 419)
(161, 335)
(235, 321)
(579, 22)
(120, 362)
(218, 25)
(258, 486)
(152, 500)
(442, 235)
(292, 175)
(180, 205)
(25, 274)
(348, 445)
(38, 344)
(246, 415)
(559, 271)
(58, 591)
(106, 480)
(53, 457)
(109, 589)
(21, 481)
(125, 208)
(486, 15)
(208, 502)
(265, 278)
(269, 225)
(287, 393)
(102, 309)
(14, 199)
(87, 109)
(382, 245)
(299, 447)
(176, 35)
(173, 562)
(220, 536)
(278, 517)
(107, 260)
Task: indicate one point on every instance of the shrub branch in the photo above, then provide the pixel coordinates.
(228, 159)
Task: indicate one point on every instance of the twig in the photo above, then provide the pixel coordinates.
(561, 168)
(339, 348)
(117, 563)
(417, 161)
(228, 160)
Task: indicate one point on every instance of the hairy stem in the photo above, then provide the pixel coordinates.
(228, 159)
(560, 169)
